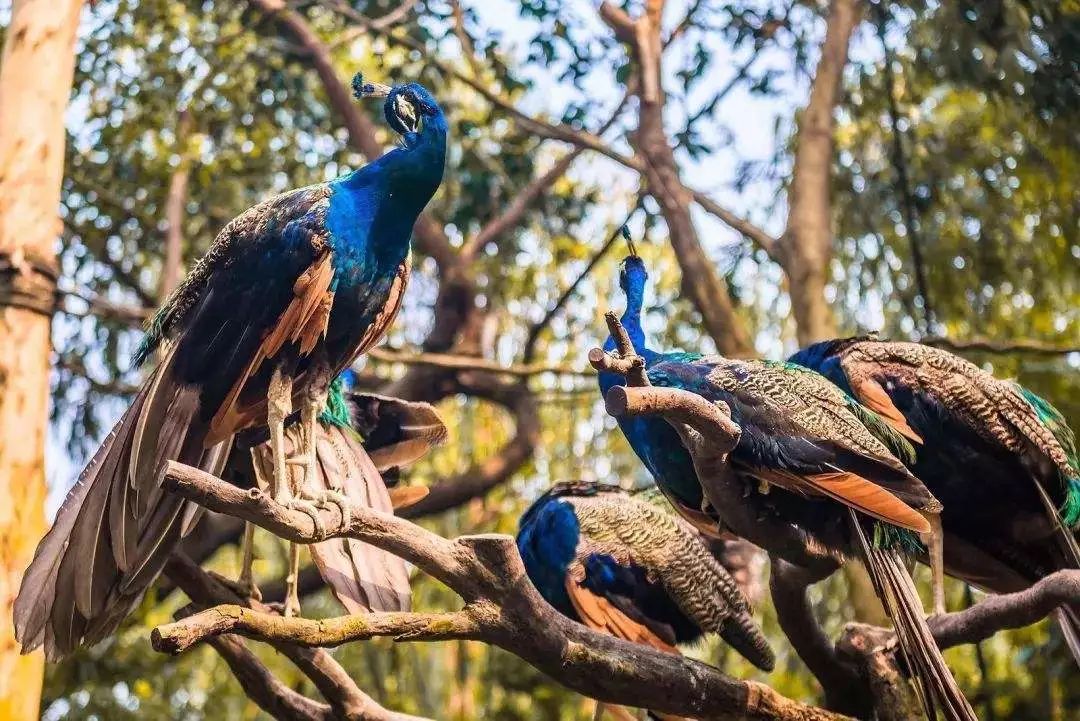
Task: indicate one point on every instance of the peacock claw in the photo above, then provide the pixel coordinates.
(331, 498)
(311, 510)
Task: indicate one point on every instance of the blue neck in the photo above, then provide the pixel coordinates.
(371, 221)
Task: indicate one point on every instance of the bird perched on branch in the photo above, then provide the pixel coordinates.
(362, 438)
(653, 440)
(810, 458)
(1002, 460)
(290, 292)
(626, 567)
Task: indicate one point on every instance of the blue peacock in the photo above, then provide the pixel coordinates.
(631, 569)
(289, 293)
(653, 440)
(812, 459)
(1002, 460)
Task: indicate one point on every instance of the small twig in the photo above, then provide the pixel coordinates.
(1033, 347)
(450, 361)
(566, 295)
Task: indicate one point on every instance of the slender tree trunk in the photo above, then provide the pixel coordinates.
(806, 247)
(35, 81)
(175, 199)
(702, 285)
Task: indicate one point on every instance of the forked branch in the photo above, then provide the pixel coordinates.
(501, 608)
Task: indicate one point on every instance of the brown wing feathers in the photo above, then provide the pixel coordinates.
(853, 491)
(600, 614)
(303, 322)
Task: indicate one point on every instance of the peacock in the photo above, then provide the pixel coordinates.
(626, 567)
(812, 460)
(289, 293)
(363, 439)
(653, 440)
(1002, 460)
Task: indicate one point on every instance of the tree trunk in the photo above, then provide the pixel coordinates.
(702, 285)
(35, 81)
(806, 247)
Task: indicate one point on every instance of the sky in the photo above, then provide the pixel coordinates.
(752, 122)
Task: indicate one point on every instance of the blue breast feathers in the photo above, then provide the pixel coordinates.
(547, 541)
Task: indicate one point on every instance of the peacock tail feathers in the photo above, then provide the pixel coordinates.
(896, 443)
(1052, 418)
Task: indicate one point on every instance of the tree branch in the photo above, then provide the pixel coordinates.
(262, 687)
(346, 699)
(1032, 347)
(1012, 610)
(806, 246)
(501, 608)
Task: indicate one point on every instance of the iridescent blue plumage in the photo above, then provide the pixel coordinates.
(653, 440)
(289, 293)
(628, 568)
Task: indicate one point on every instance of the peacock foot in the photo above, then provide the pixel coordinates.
(311, 510)
(327, 498)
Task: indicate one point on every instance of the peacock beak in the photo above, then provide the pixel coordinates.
(375, 90)
(368, 90)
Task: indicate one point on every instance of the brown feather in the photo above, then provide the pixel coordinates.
(303, 322)
(853, 491)
(362, 577)
(870, 393)
(403, 497)
(598, 613)
(396, 432)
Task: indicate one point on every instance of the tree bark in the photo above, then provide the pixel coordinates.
(35, 80)
(703, 286)
(806, 247)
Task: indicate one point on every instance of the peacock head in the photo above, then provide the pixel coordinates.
(632, 273)
(409, 109)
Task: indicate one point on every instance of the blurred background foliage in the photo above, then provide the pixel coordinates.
(958, 133)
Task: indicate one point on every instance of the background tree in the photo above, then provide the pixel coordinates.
(721, 116)
(35, 82)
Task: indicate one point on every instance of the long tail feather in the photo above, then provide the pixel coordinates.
(116, 527)
(362, 577)
(936, 685)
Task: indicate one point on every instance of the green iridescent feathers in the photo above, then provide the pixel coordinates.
(1051, 418)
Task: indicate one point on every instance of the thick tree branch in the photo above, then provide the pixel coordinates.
(1011, 610)
(502, 608)
(844, 690)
